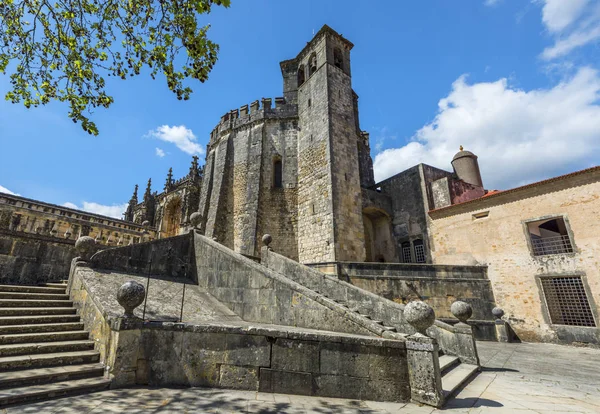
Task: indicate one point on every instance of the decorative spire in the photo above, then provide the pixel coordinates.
(132, 203)
(461, 148)
(169, 182)
(148, 193)
(194, 170)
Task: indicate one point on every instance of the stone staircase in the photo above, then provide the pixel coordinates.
(454, 372)
(44, 350)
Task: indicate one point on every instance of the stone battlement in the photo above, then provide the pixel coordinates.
(256, 111)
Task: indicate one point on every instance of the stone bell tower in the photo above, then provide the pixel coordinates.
(330, 226)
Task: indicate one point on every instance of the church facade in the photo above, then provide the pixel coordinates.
(299, 168)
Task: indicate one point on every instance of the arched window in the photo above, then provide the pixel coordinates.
(301, 75)
(277, 174)
(338, 60)
(312, 64)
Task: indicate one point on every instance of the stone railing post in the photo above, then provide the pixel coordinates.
(122, 360)
(501, 328)
(466, 347)
(422, 355)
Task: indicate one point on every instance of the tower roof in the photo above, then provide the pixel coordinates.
(462, 153)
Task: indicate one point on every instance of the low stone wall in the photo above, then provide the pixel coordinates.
(30, 259)
(258, 294)
(273, 360)
(438, 285)
(171, 257)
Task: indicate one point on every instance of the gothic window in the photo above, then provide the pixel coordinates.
(419, 251)
(337, 58)
(277, 174)
(301, 75)
(312, 64)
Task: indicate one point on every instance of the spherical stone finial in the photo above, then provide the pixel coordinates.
(267, 239)
(146, 223)
(420, 315)
(85, 247)
(131, 295)
(461, 310)
(498, 312)
(195, 219)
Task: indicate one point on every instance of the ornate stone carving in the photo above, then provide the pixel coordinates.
(461, 310)
(131, 295)
(86, 247)
(420, 315)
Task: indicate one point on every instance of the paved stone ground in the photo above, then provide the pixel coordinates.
(516, 378)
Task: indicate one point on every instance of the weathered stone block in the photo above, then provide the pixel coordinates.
(293, 355)
(238, 378)
(345, 359)
(285, 382)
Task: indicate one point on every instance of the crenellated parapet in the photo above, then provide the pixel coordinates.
(256, 111)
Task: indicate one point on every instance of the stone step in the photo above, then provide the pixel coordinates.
(53, 390)
(52, 374)
(456, 377)
(60, 285)
(48, 360)
(31, 289)
(37, 319)
(45, 347)
(36, 311)
(447, 362)
(44, 327)
(20, 303)
(24, 338)
(30, 296)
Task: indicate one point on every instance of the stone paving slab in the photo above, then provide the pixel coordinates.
(516, 378)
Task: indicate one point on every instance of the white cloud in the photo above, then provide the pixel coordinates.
(520, 136)
(7, 191)
(115, 210)
(573, 23)
(160, 153)
(557, 15)
(181, 136)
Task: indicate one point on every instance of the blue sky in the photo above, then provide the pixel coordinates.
(516, 82)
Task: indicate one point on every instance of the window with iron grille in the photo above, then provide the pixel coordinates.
(549, 236)
(406, 256)
(567, 301)
(419, 251)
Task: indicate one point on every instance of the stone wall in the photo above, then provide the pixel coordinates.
(438, 285)
(236, 355)
(493, 232)
(390, 313)
(272, 360)
(171, 257)
(31, 259)
(258, 294)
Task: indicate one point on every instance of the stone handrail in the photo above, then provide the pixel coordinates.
(365, 302)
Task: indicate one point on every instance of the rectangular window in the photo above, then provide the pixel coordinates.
(419, 251)
(549, 236)
(567, 301)
(406, 256)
